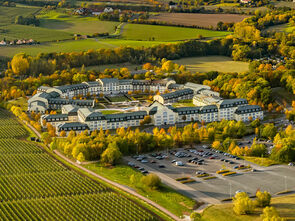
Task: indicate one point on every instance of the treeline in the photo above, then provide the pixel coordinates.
(220, 26)
(47, 63)
(92, 145)
(35, 2)
(29, 20)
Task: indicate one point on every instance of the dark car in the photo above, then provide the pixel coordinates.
(161, 166)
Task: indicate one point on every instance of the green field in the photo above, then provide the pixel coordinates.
(12, 32)
(60, 20)
(165, 196)
(285, 206)
(8, 14)
(72, 45)
(281, 28)
(166, 33)
(35, 186)
(213, 63)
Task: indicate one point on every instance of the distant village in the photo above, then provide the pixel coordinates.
(5, 42)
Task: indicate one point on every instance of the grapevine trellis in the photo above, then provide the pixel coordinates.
(34, 186)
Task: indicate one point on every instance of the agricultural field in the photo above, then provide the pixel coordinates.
(11, 32)
(213, 63)
(201, 20)
(34, 186)
(8, 14)
(70, 46)
(62, 21)
(166, 33)
(225, 212)
(281, 28)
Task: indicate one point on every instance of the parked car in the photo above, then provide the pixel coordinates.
(144, 172)
(173, 161)
(153, 161)
(161, 166)
(291, 164)
(144, 161)
(131, 164)
(179, 163)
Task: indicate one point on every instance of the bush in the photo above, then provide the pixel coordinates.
(271, 214)
(151, 180)
(243, 204)
(195, 216)
(263, 198)
(228, 174)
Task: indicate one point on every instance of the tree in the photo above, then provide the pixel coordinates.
(271, 214)
(263, 198)
(132, 179)
(269, 131)
(46, 138)
(20, 64)
(63, 133)
(242, 204)
(151, 180)
(146, 120)
(111, 155)
(81, 157)
(195, 216)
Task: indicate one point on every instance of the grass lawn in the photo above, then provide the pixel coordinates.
(281, 28)
(213, 63)
(11, 32)
(110, 112)
(8, 14)
(284, 204)
(266, 162)
(166, 33)
(165, 196)
(60, 20)
(72, 45)
(117, 99)
(184, 103)
(21, 102)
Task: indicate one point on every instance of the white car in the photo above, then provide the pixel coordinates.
(179, 163)
(291, 164)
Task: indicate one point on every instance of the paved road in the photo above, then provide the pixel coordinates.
(182, 188)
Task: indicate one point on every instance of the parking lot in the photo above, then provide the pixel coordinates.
(273, 179)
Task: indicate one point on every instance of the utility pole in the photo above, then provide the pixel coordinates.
(230, 190)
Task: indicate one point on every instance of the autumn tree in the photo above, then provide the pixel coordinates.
(111, 155)
(151, 180)
(263, 198)
(243, 204)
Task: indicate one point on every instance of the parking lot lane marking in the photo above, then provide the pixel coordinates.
(185, 189)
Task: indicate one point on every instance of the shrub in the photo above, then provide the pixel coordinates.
(228, 174)
(263, 198)
(182, 178)
(188, 181)
(243, 204)
(195, 216)
(209, 178)
(151, 180)
(271, 214)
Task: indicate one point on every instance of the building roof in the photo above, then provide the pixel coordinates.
(208, 109)
(186, 110)
(56, 117)
(232, 102)
(196, 87)
(125, 116)
(75, 126)
(109, 80)
(248, 109)
(176, 94)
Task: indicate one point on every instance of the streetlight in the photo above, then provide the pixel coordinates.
(285, 183)
(230, 190)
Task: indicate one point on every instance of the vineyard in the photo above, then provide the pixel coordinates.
(10, 127)
(34, 186)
